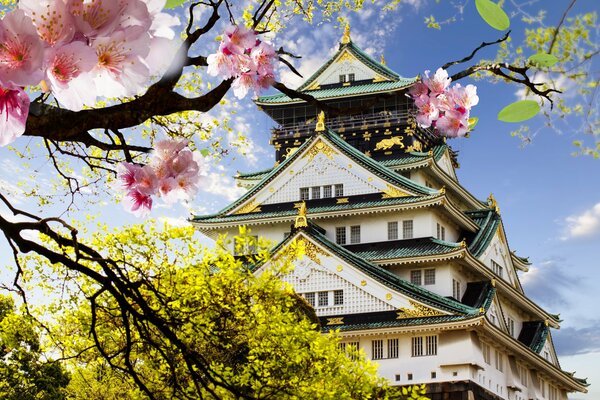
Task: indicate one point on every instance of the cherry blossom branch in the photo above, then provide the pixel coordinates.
(481, 46)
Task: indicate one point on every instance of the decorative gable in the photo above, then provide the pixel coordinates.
(497, 257)
(320, 273)
(548, 352)
(446, 165)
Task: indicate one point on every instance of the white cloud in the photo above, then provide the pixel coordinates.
(586, 224)
(540, 285)
(219, 184)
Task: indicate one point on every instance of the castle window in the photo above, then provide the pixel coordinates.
(424, 346)
(392, 345)
(327, 191)
(339, 190)
(351, 77)
(340, 235)
(392, 229)
(456, 289)
(377, 348)
(415, 277)
(316, 192)
(499, 361)
(342, 78)
(523, 375)
(441, 232)
(323, 299)
(510, 324)
(485, 349)
(338, 297)
(310, 298)
(429, 277)
(497, 268)
(407, 229)
(355, 234)
(304, 193)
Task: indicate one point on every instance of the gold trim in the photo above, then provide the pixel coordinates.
(386, 144)
(363, 283)
(343, 200)
(346, 56)
(301, 221)
(320, 122)
(492, 203)
(335, 321)
(382, 60)
(320, 147)
(388, 296)
(417, 311)
(339, 268)
(253, 206)
(346, 37)
(379, 78)
(393, 192)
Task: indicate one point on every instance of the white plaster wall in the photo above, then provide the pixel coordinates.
(353, 66)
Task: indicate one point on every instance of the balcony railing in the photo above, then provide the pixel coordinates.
(344, 123)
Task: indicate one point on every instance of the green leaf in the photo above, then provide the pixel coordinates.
(473, 122)
(205, 152)
(492, 14)
(542, 60)
(174, 3)
(519, 111)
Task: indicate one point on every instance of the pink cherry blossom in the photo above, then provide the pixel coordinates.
(243, 83)
(21, 50)
(146, 181)
(51, 18)
(418, 89)
(126, 174)
(64, 66)
(220, 64)
(428, 110)
(95, 17)
(438, 82)
(453, 124)
(263, 56)
(169, 148)
(239, 38)
(14, 108)
(138, 203)
(464, 97)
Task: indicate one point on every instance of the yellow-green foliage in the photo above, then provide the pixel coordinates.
(250, 330)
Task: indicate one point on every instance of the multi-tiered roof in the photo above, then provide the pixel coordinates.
(375, 168)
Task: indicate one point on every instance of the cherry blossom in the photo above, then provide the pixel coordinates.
(14, 108)
(138, 203)
(51, 18)
(21, 50)
(444, 108)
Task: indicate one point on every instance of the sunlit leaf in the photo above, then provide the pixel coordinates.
(174, 3)
(543, 60)
(493, 14)
(473, 122)
(519, 111)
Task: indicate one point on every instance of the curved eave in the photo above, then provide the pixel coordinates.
(464, 323)
(451, 255)
(571, 383)
(290, 215)
(519, 263)
(326, 98)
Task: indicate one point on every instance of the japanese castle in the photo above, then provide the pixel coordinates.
(401, 259)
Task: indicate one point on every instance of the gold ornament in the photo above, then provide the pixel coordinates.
(417, 311)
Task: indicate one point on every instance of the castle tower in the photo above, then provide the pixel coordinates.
(408, 265)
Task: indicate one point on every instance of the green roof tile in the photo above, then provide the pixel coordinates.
(402, 248)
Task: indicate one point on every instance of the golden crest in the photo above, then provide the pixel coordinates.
(320, 147)
(393, 192)
(417, 311)
(387, 144)
(253, 206)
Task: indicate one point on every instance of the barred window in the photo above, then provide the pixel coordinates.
(407, 229)
(510, 324)
(310, 298)
(441, 232)
(316, 192)
(456, 289)
(327, 191)
(342, 78)
(499, 361)
(417, 346)
(429, 277)
(338, 297)
(323, 299)
(392, 230)
(392, 348)
(415, 277)
(497, 268)
(431, 349)
(340, 235)
(377, 348)
(352, 350)
(355, 234)
(304, 193)
(485, 349)
(351, 77)
(339, 190)
(424, 346)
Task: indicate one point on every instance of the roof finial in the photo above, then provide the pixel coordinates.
(320, 122)
(382, 60)
(301, 221)
(346, 38)
(492, 203)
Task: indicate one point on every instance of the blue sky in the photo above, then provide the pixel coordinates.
(549, 200)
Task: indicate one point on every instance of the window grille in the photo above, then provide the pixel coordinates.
(407, 229)
(510, 323)
(342, 78)
(351, 77)
(485, 349)
(338, 297)
(497, 268)
(431, 345)
(441, 232)
(339, 190)
(424, 346)
(392, 348)
(429, 277)
(415, 277)
(316, 192)
(377, 348)
(355, 234)
(340, 235)
(310, 298)
(304, 193)
(392, 229)
(417, 346)
(327, 191)
(499, 361)
(456, 289)
(323, 299)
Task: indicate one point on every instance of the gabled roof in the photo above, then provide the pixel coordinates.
(488, 221)
(387, 80)
(340, 145)
(534, 334)
(393, 249)
(378, 273)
